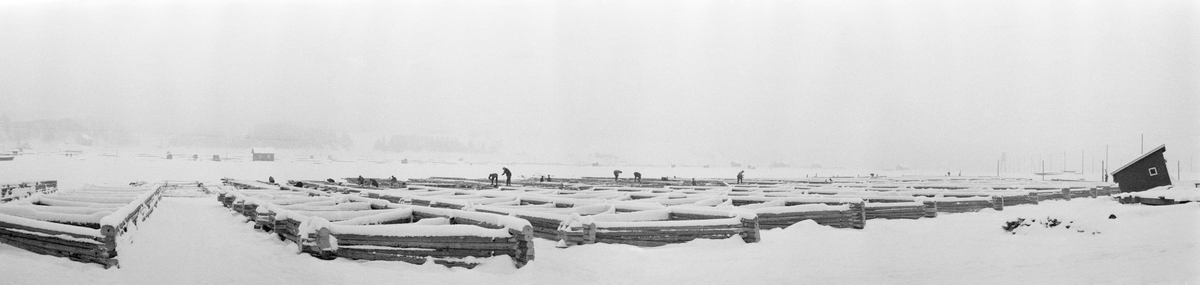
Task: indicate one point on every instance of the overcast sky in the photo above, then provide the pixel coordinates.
(932, 84)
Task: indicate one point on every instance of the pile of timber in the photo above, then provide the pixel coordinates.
(1030, 197)
(965, 205)
(357, 227)
(901, 210)
(249, 184)
(451, 182)
(384, 183)
(184, 189)
(562, 213)
(1092, 192)
(80, 224)
(676, 224)
(21, 189)
(848, 215)
(551, 222)
(1160, 196)
(327, 187)
(1054, 194)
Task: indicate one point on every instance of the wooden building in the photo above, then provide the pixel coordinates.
(1144, 173)
(262, 154)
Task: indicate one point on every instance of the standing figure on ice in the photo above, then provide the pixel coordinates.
(616, 175)
(493, 178)
(740, 175)
(637, 177)
(271, 179)
(507, 177)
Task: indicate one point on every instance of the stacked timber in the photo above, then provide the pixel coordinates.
(850, 215)
(372, 229)
(1029, 197)
(1106, 191)
(555, 223)
(80, 224)
(1081, 193)
(249, 184)
(17, 190)
(1054, 194)
(677, 224)
(902, 210)
(964, 205)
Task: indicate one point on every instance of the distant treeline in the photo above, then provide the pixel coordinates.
(26, 133)
(103, 133)
(280, 135)
(400, 143)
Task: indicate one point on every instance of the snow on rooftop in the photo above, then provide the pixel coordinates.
(1144, 155)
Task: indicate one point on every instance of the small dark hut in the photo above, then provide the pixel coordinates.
(1144, 173)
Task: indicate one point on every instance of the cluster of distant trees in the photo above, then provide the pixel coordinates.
(400, 143)
(17, 133)
(281, 135)
(107, 134)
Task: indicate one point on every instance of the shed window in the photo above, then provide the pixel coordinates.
(1153, 171)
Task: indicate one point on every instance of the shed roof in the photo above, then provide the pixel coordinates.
(262, 150)
(1157, 149)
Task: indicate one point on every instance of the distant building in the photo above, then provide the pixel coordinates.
(1144, 173)
(262, 154)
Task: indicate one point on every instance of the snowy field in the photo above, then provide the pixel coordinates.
(197, 241)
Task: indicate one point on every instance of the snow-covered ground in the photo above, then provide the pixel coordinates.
(196, 241)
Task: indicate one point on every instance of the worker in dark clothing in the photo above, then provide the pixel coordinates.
(361, 181)
(740, 175)
(507, 177)
(299, 184)
(548, 178)
(493, 178)
(374, 183)
(616, 175)
(637, 177)
(394, 179)
(542, 178)
(271, 179)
